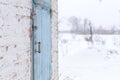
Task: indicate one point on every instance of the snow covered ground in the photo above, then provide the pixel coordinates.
(79, 59)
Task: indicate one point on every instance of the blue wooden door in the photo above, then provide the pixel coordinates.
(42, 40)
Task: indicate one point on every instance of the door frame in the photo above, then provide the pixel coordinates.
(54, 40)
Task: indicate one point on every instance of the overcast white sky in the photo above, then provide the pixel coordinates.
(100, 12)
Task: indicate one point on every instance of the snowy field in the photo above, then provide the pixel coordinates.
(81, 59)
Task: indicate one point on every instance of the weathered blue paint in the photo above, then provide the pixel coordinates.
(39, 1)
(42, 34)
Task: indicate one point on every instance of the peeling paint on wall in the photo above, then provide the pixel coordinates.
(15, 40)
(15, 48)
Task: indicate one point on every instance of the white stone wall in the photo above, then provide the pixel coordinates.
(15, 29)
(15, 40)
(54, 24)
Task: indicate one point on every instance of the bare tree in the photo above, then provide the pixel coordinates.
(91, 31)
(76, 24)
(85, 25)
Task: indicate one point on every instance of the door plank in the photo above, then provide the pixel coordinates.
(42, 34)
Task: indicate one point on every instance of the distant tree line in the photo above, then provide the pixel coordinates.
(85, 26)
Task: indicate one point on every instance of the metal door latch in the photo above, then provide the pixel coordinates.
(38, 47)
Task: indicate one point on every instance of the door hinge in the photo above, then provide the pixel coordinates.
(34, 27)
(33, 14)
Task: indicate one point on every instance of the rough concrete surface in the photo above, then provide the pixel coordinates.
(15, 33)
(54, 25)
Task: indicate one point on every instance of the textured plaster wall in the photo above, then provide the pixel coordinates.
(15, 34)
(54, 24)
